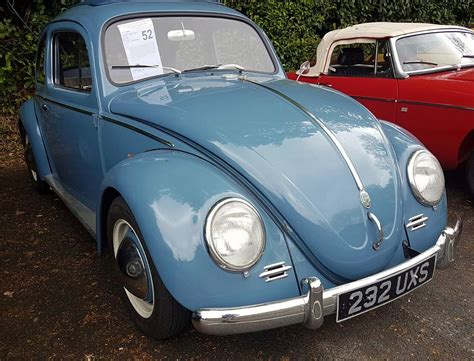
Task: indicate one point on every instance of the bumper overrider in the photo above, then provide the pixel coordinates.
(311, 308)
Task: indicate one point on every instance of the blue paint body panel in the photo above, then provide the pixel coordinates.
(170, 194)
(227, 136)
(29, 121)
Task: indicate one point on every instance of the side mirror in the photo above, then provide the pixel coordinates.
(304, 69)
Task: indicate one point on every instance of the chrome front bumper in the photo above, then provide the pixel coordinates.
(311, 308)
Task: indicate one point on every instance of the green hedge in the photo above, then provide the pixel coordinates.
(18, 42)
(294, 27)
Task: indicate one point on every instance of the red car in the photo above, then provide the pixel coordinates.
(419, 76)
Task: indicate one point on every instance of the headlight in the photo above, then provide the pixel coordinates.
(426, 177)
(235, 234)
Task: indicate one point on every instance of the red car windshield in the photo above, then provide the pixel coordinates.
(435, 50)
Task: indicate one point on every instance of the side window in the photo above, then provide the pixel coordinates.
(364, 59)
(72, 69)
(40, 61)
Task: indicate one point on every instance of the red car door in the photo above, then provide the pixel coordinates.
(436, 108)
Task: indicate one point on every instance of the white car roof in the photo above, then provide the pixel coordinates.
(371, 31)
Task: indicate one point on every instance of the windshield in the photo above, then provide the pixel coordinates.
(434, 50)
(155, 46)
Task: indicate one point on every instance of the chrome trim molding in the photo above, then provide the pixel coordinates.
(210, 245)
(310, 308)
(325, 129)
(438, 105)
(416, 222)
(363, 97)
(85, 215)
(275, 271)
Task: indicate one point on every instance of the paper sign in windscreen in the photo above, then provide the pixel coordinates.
(139, 41)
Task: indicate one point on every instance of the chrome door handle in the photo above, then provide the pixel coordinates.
(380, 237)
(45, 107)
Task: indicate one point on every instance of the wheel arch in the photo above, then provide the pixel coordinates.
(171, 208)
(107, 197)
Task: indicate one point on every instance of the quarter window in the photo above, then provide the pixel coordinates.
(363, 59)
(72, 62)
(40, 61)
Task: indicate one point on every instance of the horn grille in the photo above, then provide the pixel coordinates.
(275, 271)
(416, 222)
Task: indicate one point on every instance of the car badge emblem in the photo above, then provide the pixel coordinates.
(365, 199)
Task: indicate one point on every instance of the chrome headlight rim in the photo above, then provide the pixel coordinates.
(411, 178)
(215, 256)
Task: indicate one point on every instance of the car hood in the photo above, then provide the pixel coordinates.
(261, 131)
(451, 88)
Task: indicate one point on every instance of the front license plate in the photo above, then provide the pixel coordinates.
(356, 302)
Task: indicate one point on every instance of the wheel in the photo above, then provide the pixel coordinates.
(152, 308)
(39, 185)
(470, 174)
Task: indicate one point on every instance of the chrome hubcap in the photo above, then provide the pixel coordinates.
(134, 269)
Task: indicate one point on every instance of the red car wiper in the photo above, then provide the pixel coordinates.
(419, 62)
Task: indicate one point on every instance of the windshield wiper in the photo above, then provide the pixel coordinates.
(131, 66)
(419, 62)
(216, 66)
(204, 67)
(467, 56)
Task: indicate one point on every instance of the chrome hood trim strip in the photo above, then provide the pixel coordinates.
(325, 129)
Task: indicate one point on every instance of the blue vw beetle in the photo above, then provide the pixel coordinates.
(227, 194)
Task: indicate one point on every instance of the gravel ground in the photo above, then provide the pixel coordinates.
(58, 299)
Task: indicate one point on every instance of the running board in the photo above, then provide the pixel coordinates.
(84, 214)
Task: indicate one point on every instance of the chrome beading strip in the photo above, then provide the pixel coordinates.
(325, 129)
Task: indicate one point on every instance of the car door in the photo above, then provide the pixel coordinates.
(67, 105)
(363, 69)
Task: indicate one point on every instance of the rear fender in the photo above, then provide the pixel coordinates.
(170, 194)
(29, 122)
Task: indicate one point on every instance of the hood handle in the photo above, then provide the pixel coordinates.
(380, 237)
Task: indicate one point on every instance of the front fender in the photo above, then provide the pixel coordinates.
(170, 194)
(404, 145)
(29, 122)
